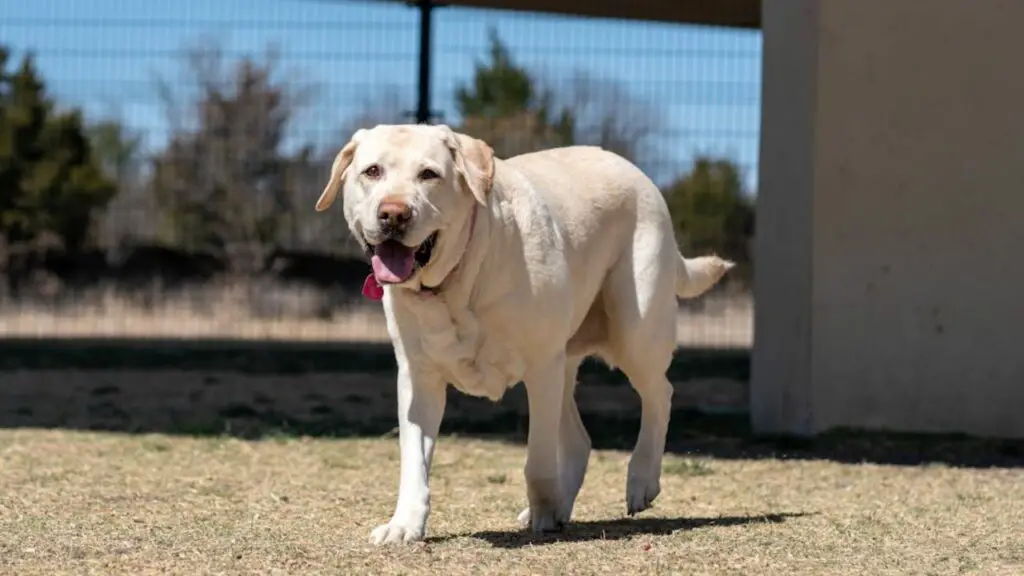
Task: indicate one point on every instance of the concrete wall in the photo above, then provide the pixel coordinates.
(890, 241)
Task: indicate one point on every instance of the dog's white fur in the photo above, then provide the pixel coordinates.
(572, 254)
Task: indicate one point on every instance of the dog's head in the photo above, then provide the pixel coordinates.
(408, 191)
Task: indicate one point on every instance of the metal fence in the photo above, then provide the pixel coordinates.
(211, 125)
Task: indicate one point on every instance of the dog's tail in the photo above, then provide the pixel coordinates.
(695, 276)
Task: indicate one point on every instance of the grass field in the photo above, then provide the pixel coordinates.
(248, 440)
(86, 502)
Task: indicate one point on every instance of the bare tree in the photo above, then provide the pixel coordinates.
(387, 106)
(517, 132)
(328, 233)
(225, 182)
(129, 218)
(605, 114)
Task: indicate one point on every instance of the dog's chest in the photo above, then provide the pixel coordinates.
(497, 363)
(471, 351)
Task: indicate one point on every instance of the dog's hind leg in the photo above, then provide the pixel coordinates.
(640, 299)
(550, 506)
(643, 480)
(574, 442)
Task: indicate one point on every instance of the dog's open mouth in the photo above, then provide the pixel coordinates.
(394, 262)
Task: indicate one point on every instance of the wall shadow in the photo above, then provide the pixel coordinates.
(256, 389)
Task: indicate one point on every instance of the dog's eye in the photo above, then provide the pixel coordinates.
(372, 172)
(428, 174)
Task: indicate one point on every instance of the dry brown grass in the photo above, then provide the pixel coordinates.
(288, 313)
(117, 504)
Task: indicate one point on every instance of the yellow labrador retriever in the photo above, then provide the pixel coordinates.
(497, 271)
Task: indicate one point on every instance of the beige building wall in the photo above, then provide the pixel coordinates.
(890, 241)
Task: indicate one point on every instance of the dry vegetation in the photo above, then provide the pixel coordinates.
(281, 312)
(73, 502)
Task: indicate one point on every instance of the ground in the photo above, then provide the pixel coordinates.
(114, 503)
(126, 447)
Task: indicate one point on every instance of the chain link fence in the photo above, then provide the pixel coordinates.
(160, 161)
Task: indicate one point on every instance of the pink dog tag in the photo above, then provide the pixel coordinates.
(372, 289)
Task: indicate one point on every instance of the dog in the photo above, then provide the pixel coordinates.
(498, 271)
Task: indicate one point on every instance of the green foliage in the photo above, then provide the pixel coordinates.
(516, 111)
(500, 86)
(710, 211)
(51, 188)
(504, 107)
(117, 150)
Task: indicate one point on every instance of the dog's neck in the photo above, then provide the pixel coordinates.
(373, 290)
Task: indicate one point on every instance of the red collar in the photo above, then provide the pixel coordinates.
(374, 291)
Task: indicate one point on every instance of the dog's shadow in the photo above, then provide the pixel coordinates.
(618, 529)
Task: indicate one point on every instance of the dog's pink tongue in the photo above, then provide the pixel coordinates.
(393, 262)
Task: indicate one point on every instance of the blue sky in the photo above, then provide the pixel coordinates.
(104, 56)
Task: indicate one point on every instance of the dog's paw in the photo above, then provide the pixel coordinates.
(396, 532)
(640, 493)
(546, 520)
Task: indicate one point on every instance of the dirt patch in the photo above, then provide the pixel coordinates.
(73, 502)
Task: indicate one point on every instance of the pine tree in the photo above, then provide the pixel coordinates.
(711, 212)
(51, 188)
(503, 106)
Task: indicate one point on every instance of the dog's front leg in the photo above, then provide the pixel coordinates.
(421, 400)
(544, 489)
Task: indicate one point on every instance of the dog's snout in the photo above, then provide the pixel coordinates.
(394, 214)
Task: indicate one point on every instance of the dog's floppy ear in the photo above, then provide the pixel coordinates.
(474, 160)
(338, 169)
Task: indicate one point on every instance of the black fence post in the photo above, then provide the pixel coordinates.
(423, 112)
